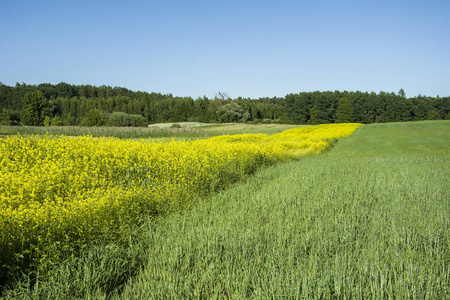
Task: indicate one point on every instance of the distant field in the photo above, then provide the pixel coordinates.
(250, 128)
(182, 124)
(103, 131)
(188, 130)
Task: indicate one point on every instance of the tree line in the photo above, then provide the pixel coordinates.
(86, 105)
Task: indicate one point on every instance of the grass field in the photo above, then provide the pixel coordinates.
(366, 220)
(188, 130)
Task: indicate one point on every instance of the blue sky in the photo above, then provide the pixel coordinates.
(243, 48)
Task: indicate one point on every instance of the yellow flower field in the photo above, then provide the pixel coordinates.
(60, 193)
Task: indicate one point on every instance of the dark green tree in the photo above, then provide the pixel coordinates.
(121, 119)
(35, 108)
(345, 110)
(4, 95)
(9, 117)
(202, 109)
(65, 90)
(313, 116)
(434, 115)
(297, 107)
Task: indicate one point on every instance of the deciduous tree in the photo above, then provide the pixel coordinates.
(35, 108)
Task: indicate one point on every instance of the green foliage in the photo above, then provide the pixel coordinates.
(324, 107)
(313, 116)
(47, 121)
(434, 115)
(303, 108)
(232, 112)
(345, 110)
(68, 119)
(94, 118)
(35, 109)
(175, 125)
(9, 117)
(57, 121)
(121, 119)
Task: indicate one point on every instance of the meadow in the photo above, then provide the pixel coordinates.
(367, 219)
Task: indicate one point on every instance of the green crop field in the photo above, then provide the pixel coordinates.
(367, 220)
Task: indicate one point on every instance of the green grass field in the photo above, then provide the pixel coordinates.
(367, 220)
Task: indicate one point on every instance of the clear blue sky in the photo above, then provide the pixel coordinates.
(243, 48)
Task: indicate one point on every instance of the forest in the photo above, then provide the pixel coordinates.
(65, 104)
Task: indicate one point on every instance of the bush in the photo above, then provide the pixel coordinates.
(232, 112)
(121, 119)
(175, 125)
